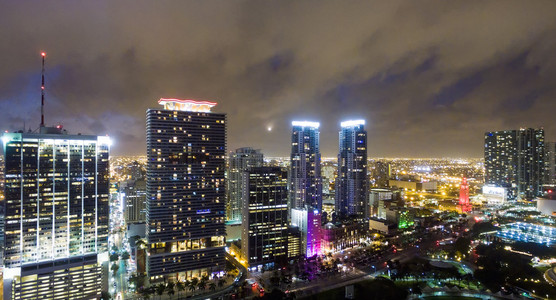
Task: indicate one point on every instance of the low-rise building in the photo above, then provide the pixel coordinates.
(430, 186)
(382, 226)
(337, 237)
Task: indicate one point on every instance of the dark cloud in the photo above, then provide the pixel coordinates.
(429, 77)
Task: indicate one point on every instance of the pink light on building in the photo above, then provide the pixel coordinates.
(186, 104)
(314, 233)
(464, 206)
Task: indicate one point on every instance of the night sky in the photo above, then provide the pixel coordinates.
(428, 76)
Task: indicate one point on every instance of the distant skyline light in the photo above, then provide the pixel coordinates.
(352, 123)
(464, 70)
(306, 124)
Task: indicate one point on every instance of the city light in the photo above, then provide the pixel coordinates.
(306, 124)
(105, 140)
(6, 139)
(352, 123)
(186, 104)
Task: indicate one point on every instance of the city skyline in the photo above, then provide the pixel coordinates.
(299, 150)
(428, 81)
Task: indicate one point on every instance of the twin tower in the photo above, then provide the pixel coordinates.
(351, 185)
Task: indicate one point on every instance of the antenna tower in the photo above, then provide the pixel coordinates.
(43, 54)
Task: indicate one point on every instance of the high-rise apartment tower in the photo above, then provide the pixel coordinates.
(515, 159)
(352, 183)
(305, 170)
(186, 189)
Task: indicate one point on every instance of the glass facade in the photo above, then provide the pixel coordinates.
(265, 216)
(56, 204)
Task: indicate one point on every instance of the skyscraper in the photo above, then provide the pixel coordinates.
(265, 231)
(352, 183)
(501, 159)
(135, 200)
(186, 145)
(56, 215)
(305, 174)
(530, 162)
(240, 161)
(550, 162)
(514, 159)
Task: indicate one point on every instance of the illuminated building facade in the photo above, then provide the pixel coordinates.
(463, 205)
(405, 219)
(265, 216)
(239, 161)
(305, 170)
(294, 242)
(352, 183)
(336, 237)
(186, 189)
(308, 220)
(56, 215)
(514, 159)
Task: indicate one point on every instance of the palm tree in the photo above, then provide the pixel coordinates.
(212, 286)
(180, 286)
(187, 284)
(114, 269)
(160, 288)
(193, 284)
(125, 257)
(202, 284)
(170, 289)
(221, 282)
(146, 292)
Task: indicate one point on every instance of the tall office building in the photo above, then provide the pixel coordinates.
(186, 189)
(514, 159)
(56, 215)
(135, 199)
(264, 238)
(352, 183)
(240, 161)
(305, 170)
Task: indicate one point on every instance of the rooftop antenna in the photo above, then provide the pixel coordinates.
(43, 54)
